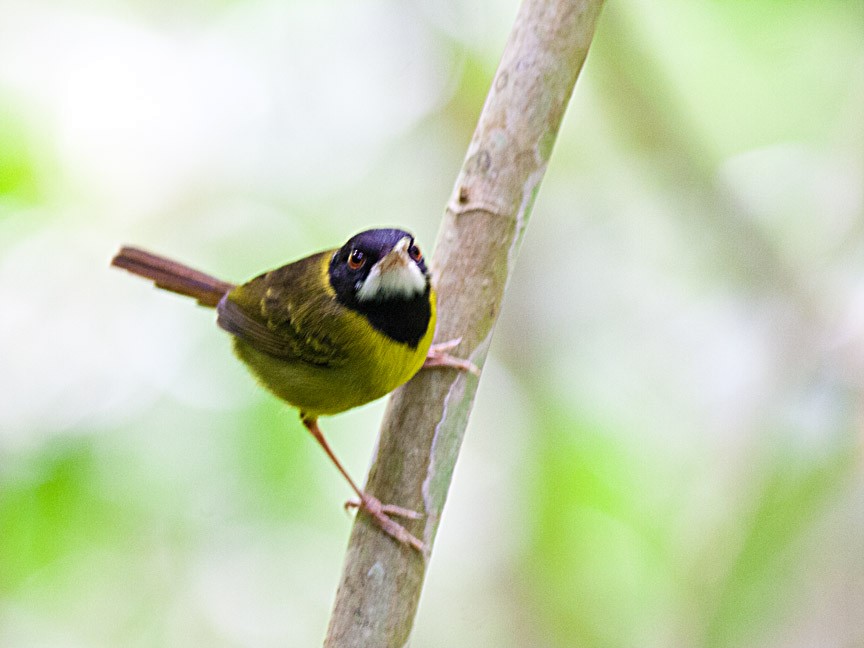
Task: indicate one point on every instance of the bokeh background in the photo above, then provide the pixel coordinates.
(666, 448)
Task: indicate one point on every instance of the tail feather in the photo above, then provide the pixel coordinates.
(173, 276)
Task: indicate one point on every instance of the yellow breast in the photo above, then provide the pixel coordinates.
(371, 365)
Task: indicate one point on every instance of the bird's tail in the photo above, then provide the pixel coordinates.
(172, 276)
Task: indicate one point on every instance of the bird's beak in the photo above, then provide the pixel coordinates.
(395, 276)
(395, 258)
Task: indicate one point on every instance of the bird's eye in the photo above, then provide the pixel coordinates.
(356, 259)
(415, 253)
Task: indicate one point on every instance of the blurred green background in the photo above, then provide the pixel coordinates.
(666, 448)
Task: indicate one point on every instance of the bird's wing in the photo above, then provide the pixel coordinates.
(284, 314)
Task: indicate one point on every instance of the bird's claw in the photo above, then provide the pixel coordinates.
(438, 356)
(379, 512)
(386, 509)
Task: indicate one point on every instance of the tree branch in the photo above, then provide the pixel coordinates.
(477, 245)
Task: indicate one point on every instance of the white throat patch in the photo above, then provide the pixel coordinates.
(396, 276)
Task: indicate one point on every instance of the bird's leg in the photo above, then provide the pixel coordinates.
(438, 357)
(368, 503)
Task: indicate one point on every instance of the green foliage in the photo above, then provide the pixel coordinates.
(18, 166)
(53, 508)
(278, 462)
(771, 562)
(598, 559)
(604, 566)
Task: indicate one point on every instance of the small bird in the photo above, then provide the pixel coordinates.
(328, 332)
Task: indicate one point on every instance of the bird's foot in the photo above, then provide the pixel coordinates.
(386, 509)
(438, 356)
(379, 512)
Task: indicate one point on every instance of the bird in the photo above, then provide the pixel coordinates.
(326, 333)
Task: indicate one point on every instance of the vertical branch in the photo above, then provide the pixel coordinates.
(478, 242)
